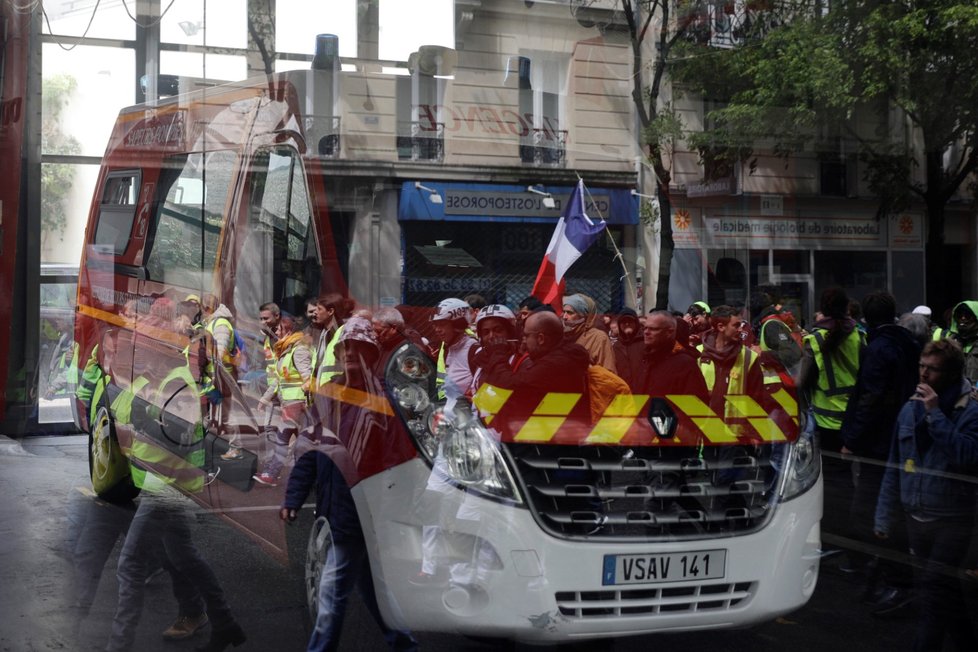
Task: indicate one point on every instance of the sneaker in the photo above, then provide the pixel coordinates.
(266, 479)
(893, 602)
(233, 453)
(185, 627)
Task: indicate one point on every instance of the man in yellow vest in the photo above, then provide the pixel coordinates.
(728, 367)
(217, 321)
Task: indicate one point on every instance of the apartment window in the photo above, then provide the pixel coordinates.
(542, 87)
(836, 175)
(420, 127)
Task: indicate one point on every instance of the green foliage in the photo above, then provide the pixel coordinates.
(56, 178)
(664, 128)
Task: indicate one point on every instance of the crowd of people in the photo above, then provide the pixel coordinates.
(889, 399)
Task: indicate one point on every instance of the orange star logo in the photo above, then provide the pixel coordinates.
(906, 225)
(682, 219)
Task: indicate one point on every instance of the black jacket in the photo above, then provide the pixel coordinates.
(887, 377)
(563, 369)
(672, 372)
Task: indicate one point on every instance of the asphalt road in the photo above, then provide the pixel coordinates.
(44, 483)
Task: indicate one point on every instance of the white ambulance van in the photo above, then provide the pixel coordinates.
(540, 524)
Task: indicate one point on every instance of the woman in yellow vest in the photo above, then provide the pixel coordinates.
(829, 366)
(292, 383)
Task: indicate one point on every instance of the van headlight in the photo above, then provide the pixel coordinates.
(469, 452)
(804, 465)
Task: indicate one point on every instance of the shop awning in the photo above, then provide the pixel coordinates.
(473, 202)
(447, 256)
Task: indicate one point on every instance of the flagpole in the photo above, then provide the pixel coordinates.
(618, 254)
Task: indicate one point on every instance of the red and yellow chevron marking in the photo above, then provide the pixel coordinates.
(620, 415)
(624, 420)
(547, 418)
(489, 400)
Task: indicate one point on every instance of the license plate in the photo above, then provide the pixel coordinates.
(665, 567)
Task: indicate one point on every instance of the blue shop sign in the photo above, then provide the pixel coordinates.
(466, 202)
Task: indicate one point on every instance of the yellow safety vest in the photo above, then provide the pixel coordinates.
(328, 368)
(440, 372)
(288, 379)
(837, 375)
(738, 371)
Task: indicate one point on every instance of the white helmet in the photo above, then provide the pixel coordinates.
(499, 312)
(451, 309)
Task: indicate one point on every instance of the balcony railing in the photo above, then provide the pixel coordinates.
(417, 141)
(544, 147)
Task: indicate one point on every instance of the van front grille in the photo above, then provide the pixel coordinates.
(648, 493)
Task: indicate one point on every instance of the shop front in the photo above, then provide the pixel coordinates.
(723, 256)
(461, 238)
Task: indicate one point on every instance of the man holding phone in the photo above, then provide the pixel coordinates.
(933, 460)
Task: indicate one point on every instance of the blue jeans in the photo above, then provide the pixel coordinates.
(347, 566)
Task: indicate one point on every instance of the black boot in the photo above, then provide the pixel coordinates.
(220, 638)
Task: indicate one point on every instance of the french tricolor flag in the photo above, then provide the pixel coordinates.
(575, 232)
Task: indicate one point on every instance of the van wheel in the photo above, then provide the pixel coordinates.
(107, 466)
(320, 541)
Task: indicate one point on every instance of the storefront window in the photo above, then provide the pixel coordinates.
(858, 272)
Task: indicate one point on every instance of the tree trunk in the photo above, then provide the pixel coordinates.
(666, 244)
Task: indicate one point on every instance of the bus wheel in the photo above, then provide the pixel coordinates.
(320, 541)
(107, 466)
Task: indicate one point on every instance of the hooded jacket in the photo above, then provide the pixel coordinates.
(628, 354)
(887, 377)
(966, 340)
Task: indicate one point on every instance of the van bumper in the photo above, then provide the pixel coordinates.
(496, 573)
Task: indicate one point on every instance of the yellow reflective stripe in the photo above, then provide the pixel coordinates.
(610, 430)
(548, 417)
(356, 397)
(539, 428)
(691, 405)
(489, 400)
(122, 405)
(716, 430)
(767, 429)
(787, 401)
(626, 405)
(742, 405)
(555, 403)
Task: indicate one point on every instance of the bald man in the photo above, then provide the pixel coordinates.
(554, 365)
